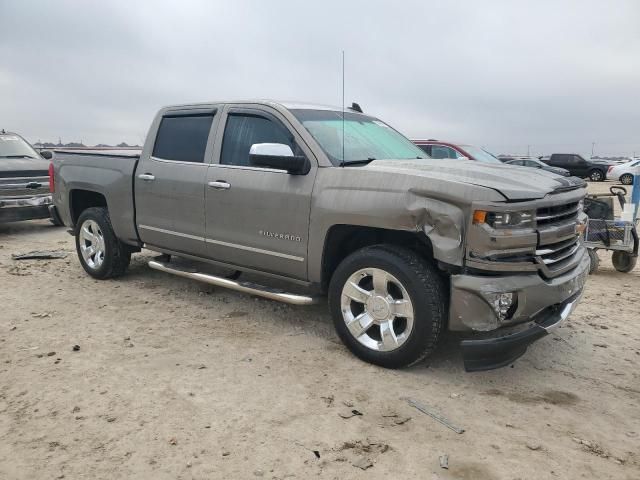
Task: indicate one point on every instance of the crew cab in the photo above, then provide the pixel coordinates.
(339, 204)
(24, 180)
(579, 166)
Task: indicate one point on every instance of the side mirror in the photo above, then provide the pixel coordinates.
(463, 158)
(46, 154)
(278, 156)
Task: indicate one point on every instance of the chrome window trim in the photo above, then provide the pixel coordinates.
(165, 160)
(225, 244)
(245, 167)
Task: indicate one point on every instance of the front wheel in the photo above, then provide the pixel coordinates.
(623, 261)
(100, 252)
(626, 179)
(596, 175)
(388, 305)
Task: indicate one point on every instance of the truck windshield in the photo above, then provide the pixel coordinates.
(365, 138)
(12, 146)
(480, 154)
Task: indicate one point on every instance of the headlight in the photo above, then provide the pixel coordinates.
(522, 219)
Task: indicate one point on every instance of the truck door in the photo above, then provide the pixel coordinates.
(257, 217)
(580, 165)
(170, 182)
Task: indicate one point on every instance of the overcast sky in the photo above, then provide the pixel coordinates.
(555, 75)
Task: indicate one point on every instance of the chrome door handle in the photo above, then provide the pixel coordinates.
(147, 177)
(220, 185)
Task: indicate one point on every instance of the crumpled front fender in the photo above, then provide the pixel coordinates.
(443, 223)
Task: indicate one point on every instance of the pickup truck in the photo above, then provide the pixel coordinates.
(24, 180)
(579, 166)
(404, 247)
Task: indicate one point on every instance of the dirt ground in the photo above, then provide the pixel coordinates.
(176, 380)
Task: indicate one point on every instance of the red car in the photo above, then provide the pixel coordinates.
(438, 149)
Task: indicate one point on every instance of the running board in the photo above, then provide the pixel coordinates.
(246, 287)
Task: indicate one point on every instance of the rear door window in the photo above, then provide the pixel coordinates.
(183, 138)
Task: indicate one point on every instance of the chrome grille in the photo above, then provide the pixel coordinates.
(24, 187)
(557, 214)
(559, 246)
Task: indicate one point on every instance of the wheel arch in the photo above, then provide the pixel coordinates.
(81, 199)
(342, 240)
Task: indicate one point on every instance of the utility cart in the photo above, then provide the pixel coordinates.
(605, 231)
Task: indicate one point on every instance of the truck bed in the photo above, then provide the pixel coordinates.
(108, 174)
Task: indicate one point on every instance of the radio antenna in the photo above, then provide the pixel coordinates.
(343, 108)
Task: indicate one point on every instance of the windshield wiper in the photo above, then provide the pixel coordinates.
(16, 156)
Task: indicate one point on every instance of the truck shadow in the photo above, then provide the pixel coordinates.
(28, 227)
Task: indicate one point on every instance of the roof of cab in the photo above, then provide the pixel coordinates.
(289, 105)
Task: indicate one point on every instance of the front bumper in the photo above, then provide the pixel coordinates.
(30, 208)
(539, 305)
(496, 352)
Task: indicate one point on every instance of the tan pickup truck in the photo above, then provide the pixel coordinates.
(339, 204)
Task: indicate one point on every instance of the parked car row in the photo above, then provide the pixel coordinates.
(565, 164)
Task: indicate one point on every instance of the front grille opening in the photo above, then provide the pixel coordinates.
(557, 214)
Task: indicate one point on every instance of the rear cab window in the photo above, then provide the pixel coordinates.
(183, 138)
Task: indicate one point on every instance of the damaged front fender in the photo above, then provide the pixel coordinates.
(443, 223)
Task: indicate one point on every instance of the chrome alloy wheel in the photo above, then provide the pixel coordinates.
(377, 309)
(92, 244)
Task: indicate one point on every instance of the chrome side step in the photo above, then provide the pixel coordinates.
(246, 287)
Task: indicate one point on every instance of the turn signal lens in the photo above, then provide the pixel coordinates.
(479, 216)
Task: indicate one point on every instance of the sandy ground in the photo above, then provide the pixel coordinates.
(176, 379)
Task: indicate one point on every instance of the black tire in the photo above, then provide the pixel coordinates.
(595, 261)
(597, 175)
(626, 179)
(427, 293)
(623, 261)
(117, 255)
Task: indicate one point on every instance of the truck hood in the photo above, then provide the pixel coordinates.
(510, 181)
(23, 167)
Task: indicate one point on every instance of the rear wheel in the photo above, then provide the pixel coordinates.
(626, 179)
(596, 175)
(100, 252)
(388, 305)
(623, 261)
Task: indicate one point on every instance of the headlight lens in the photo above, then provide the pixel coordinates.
(522, 219)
